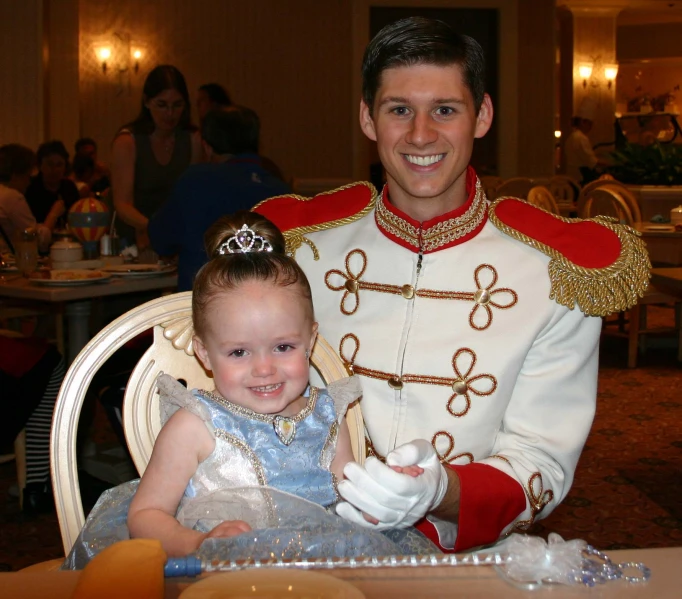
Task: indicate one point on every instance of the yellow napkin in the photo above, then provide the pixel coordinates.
(131, 569)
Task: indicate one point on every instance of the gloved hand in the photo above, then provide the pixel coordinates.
(396, 500)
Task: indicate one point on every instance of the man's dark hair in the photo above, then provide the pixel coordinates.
(232, 130)
(417, 40)
(84, 141)
(217, 94)
(15, 159)
(52, 147)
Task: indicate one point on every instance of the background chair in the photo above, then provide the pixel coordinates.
(602, 201)
(517, 187)
(171, 351)
(542, 197)
(565, 190)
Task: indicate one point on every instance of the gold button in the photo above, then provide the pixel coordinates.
(395, 383)
(459, 387)
(352, 285)
(407, 291)
(482, 296)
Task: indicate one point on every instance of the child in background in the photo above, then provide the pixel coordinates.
(263, 424)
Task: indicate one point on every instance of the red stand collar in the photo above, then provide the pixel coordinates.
(444, 231)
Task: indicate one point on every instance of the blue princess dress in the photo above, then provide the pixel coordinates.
(269, 471)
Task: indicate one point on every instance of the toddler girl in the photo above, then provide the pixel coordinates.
(262, 425)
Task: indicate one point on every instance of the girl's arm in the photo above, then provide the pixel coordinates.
(344, 451)
(183, 443)
(57, 210)
(123, 182)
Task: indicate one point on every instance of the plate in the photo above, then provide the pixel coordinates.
(138, 270)
(271, 584)
(74, 276)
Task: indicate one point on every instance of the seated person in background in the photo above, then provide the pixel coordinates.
(233, 179)
(211, 96)
(50, 194)
(31, 372)
(99, 179)
(16, 164)
(254, 330)
(81, 173)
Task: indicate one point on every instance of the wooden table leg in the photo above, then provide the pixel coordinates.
(78, 323)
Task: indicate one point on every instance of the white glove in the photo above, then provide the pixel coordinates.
(396, 500)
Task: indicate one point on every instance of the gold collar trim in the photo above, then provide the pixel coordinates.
(269, 418)
(435, 237)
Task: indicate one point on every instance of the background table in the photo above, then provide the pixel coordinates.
(402, 583)
(665, 247)
(77, 300)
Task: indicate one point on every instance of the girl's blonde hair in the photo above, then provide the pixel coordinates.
(224, 272)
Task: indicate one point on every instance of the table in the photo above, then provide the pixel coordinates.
(77, 299)
(664, 247)
(403, 583)
(668, 280)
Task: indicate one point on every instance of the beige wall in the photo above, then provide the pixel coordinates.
(289, 61)
(21, 72)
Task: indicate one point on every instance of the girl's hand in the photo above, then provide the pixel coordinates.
(229, 528)
(413, 471)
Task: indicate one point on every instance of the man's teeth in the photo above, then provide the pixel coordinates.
(424, 160)
(267, 388)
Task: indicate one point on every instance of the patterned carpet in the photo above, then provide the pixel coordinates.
(628, 487)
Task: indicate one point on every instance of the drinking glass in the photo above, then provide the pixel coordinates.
(26, 251)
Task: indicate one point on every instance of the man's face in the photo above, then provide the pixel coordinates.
(88, 150)
(424, 122)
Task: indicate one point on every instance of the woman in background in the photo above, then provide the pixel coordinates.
(151, 152)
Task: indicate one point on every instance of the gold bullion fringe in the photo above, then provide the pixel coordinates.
(596, 291)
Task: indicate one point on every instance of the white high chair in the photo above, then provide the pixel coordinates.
(171, 352)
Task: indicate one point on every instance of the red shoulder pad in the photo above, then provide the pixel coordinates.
(585, 243)
(323, 211)
(598, 264)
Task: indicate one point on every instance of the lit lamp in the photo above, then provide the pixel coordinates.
(104, 54)
(585, 71)
(610, 72)
(137, 54)
(557, 134)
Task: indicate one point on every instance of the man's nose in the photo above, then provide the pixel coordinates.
(422, 131)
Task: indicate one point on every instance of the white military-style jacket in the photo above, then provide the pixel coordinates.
(478, 331)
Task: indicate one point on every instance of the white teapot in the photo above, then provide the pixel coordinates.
(66, 251)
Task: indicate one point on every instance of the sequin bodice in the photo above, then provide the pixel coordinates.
(248, 452)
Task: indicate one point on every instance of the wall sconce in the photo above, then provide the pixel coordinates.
(585, 71)
(557, 134)
(137, 55)
(103, 54)
(610, 72)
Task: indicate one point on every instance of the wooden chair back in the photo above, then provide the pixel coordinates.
(517, 187)
(542, 197)
(604, 202)
(170, 317)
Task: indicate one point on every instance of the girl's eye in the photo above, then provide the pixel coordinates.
(238, 353)
(283, 347)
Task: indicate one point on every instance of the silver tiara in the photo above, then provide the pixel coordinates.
(243, 242)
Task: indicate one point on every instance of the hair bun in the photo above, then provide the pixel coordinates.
(261, 235)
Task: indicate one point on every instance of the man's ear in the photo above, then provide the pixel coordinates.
(201, 353)
(366, 121)
(484, 118)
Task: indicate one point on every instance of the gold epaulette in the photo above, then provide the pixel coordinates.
(296, 215)
(597, 264)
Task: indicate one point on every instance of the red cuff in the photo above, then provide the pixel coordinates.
(489, 501)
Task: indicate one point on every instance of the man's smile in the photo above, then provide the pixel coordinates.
(423, 160)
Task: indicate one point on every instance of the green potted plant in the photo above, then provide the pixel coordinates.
(655, 164)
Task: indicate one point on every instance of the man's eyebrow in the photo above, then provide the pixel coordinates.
(400, 100)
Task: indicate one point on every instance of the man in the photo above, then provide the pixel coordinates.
(233, 179)
(581, 161)
(211, 96)
(16, 164)
(98, 175)
(466, 321)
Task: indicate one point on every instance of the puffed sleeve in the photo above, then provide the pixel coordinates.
(173, 396)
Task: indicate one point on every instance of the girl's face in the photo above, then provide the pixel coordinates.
(255, 344)
(166, 109)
